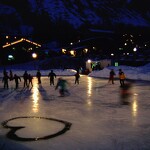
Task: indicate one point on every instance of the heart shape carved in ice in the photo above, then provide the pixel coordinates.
(34, 128)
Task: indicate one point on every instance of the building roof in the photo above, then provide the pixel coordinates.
(21, 40)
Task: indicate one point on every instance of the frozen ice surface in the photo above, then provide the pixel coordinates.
(99, 120)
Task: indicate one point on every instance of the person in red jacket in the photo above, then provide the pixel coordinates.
(111, 76)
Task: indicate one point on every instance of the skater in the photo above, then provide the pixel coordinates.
(25, 77)
(121, 77)
(30, 80)
(62, 85)
(52, 75)
(38, 75)
(125, 93)
(17, 79)
(111, 76)
(5, 80)
(11, 75)
(4, 72)
(77, 76)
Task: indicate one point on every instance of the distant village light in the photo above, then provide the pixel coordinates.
(64, 50)
(85, 50)
(34, 55)
(72, 52)
(135, 49)
(21, 40)
(10, 57)
(112, 54)
(89, 61)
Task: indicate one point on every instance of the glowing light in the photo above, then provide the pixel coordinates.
(18, 41)
(112, 54)
(34, 55)
(64, 51)
(89, 61)
(85, 50)
(72, 52)
(135, 49)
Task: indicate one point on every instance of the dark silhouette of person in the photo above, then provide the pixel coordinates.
(11, 75)
(17, 79)
(5, 80)
(38, 75)
(52, 75)
(30, 80)
(4, 72)
(25, 77)
(77, 76)
(111, 76)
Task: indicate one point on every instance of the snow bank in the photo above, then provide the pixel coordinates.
(135, 73)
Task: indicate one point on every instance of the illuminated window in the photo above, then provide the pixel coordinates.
(64, 51)
(72, 52)
(10, 57)
(85, 50)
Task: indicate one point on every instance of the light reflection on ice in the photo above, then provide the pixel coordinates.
(89, 92)
(134, 109)
(35, 97)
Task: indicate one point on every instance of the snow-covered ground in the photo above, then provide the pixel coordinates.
(135, 73)
(98, 120)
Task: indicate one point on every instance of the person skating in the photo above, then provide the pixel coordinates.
(77, 76)
(51, 75)
(30, 80)
(125, 94)
(17, 79)
(121, 77)
(62, 85)
(111, 76)
(10, 75)
(25, 77)
(5, 80)
(38, 75)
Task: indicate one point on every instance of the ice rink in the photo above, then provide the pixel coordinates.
(91, 118)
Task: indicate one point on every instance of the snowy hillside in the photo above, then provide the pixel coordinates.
(27, 17)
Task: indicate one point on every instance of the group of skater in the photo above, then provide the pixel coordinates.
(121, 76)
(10, 77)
(27, 79)
(124, 87)
(61, 83)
